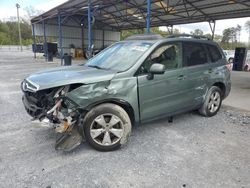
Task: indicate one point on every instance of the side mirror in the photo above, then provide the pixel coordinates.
(156, 68)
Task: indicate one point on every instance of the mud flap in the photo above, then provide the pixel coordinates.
(68, 141)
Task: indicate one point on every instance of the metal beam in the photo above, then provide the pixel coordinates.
(34, 39)
(103, 39)
(60, 36)
(45, 46)
(194, 11)
(148, 15)
(212, 27)
(198, 9)
(89, 26)
(82, 28)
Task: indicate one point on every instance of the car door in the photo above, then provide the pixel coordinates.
(195, 71)
(217, 65)
(163, 94)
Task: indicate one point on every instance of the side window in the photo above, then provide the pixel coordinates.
(214, 53)
(167, 54)
(194, 54)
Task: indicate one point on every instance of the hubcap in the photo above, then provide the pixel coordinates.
(106, 129)
(214, 102)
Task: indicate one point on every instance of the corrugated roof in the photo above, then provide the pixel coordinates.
(129, 14)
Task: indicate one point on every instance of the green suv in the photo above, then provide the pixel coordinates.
(143, 78)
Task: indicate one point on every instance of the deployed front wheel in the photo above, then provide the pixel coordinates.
(212, 102)
(107, 127)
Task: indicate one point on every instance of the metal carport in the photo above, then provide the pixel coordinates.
(135, 14)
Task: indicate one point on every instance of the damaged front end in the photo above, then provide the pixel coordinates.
(53, 108)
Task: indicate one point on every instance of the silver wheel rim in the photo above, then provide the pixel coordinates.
(214, 102)
(106, 129)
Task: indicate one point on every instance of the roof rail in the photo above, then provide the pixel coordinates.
(145, 37)
(201, 37)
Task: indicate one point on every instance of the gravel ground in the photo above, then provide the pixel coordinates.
(193, 151)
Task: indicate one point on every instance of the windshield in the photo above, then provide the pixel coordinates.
(120, 57)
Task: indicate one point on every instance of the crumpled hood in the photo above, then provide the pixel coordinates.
(68, 75)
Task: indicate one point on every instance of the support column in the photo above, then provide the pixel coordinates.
(103, 39)
(82, 28)
(60, 36)
(212, 27)
(148, 15)
(89, 26)
(170, 30)
(34, 40)
(45, 46)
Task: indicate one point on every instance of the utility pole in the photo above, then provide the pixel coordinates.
(19, 29)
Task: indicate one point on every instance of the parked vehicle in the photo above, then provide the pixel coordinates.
(229, 57)
(133, 81)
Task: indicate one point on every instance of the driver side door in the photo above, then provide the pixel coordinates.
(163, 94)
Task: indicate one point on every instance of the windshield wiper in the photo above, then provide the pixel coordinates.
(95, 66)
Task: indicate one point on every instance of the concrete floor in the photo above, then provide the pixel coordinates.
(240, 93)
(193, 151)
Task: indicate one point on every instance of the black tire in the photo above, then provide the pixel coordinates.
(205, 110)
(104, 111)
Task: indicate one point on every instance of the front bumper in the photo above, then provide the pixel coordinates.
(30, 105)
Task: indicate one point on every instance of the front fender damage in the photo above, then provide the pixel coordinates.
(70, 107)
(123, 90)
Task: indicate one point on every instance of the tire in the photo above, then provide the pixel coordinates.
(101, 133)
(212, 102)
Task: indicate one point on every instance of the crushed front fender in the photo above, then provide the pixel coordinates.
(121, 89)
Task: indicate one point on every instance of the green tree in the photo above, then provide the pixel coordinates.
(155, 30)
(217, 38)
(9, 33)
(3, 27)
(198, 32)
(247, 26)
(229, 34)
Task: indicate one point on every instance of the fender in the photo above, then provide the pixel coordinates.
(124, 104)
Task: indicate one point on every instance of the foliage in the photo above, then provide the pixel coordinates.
(31, 12)
(197, 32)
(247, 26)
(155, 30)
(227, 41)
(9, 30)
(9, 33)
(231, 37)
(231, 34)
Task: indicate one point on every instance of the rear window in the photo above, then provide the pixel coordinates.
(194, 54)
(214, 53)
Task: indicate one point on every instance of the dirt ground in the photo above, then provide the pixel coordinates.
(193, 151)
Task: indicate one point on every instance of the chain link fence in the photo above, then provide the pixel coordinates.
(15, 48)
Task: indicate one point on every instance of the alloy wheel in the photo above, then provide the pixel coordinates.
(107, 129)
(214, 102)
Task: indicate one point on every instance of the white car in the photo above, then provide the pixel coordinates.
(229, 56)
(230, 59)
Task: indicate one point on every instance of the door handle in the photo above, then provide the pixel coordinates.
(181, 77)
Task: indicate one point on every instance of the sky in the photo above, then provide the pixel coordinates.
(8, 9)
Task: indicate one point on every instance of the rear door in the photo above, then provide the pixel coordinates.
(217, 60)
(196, 71)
